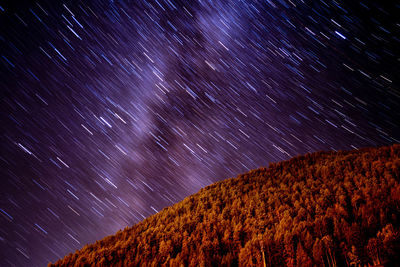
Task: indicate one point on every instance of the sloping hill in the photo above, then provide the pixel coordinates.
(325, 209)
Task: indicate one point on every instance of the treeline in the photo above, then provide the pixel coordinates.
(322, 209)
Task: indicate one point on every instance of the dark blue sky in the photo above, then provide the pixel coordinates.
(112, 110)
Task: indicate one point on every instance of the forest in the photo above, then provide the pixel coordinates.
(321, 209)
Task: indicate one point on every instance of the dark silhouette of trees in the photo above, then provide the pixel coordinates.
(322, 209)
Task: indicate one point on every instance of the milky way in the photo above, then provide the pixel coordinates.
(112, 110)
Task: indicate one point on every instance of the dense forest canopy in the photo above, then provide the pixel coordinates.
(324, 209)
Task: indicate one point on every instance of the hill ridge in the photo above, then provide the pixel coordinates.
(322, 208)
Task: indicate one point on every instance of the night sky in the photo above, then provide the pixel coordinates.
(112, 110)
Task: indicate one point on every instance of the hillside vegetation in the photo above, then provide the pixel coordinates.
(324, 209)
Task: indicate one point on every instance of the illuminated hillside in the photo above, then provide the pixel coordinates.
(325, 209)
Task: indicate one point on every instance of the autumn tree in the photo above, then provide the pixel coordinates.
(322, 209)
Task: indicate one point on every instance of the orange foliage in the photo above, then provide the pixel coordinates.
(325, 209)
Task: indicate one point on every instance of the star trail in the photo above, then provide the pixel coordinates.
(113, 110)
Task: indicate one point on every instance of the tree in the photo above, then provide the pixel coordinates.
(318, 209)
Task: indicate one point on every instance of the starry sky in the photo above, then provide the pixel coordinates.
(112, 110)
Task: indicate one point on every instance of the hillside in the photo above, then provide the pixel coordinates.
(325, 209)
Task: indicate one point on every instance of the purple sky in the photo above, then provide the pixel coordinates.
(112, 110)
